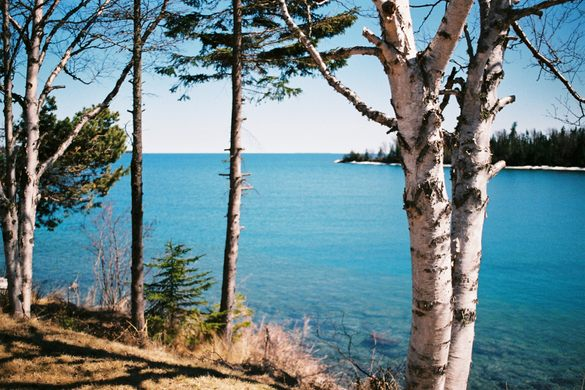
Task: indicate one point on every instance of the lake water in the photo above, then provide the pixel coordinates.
(329, 241)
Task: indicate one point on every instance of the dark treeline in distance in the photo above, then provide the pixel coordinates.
(562, 148)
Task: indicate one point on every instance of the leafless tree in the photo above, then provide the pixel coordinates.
(445, 235)
(64, 33)
(110, 245)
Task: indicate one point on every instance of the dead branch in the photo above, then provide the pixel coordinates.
(350, 95)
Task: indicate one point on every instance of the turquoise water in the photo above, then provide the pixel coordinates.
(329, 241)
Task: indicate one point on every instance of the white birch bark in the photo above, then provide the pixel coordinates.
(29, 196)
(414, 79)
(471, 171)
(9, 208)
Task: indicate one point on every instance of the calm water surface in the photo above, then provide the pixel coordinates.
(330, 241)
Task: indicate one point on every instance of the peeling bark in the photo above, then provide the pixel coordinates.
(9, 209)
(30, 191)
(414, 79)
(428, 212)
(471, 171)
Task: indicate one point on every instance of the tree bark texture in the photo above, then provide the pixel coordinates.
(228, 288)
(30, 190)
(415, 79)
(428, 212)
(137, 268)
(9, 210)
(471, 171)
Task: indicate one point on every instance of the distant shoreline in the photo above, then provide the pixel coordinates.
(522, 167)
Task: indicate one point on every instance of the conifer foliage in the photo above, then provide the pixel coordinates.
(176, 292)
(271, 55)
(85, 172)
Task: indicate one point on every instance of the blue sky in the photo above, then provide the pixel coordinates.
(319, 120)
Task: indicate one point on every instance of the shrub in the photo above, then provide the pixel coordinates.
(175, 296)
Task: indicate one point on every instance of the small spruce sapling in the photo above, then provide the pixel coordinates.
(175, 294)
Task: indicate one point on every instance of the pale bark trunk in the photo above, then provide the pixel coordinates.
(10, 212)
(415, 79)
(228, 288)
(13, 272)
(137, 293)
(29, 196)
(428, 211)
(471, 171)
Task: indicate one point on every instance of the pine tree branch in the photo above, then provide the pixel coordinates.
(350, 95)
(89, 115)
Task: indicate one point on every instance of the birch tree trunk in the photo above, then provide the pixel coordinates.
(471, 171)
(415, 79)
(29, 196)
(137, 293)
(428, 211)
(13, 271)
(228, 288)
(9, 210)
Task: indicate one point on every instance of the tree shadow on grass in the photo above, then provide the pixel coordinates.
(136, 369)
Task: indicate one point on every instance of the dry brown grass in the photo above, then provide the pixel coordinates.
(38, 354)
(72, 347)
(276, 352)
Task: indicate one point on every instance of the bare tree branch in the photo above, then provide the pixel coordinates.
(441, 48)
(350, 95)
(537, 8)
(49, 36)
(496, 168)
(546, 63)
(392, 23)
(50, 11)
(389, 51)
(448, 90)
(503, 102)
(468, 41)
(107, 100)
(68, 53)
(19, 29)
(89, 115)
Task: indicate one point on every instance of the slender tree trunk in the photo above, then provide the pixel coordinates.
(10, 212)
(428, 211)
(137, 304)
(30, 191)
(228, 288)
(471, 171)
(13, 272)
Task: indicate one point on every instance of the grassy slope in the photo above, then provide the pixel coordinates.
(38, 354)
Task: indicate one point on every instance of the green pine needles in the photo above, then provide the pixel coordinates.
(176, 295)
(271, 54)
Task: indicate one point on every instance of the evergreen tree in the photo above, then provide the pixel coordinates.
(176, 292)
(245, 41)
(85, 172)
(270, 54)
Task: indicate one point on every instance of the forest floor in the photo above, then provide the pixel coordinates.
(50, 352)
